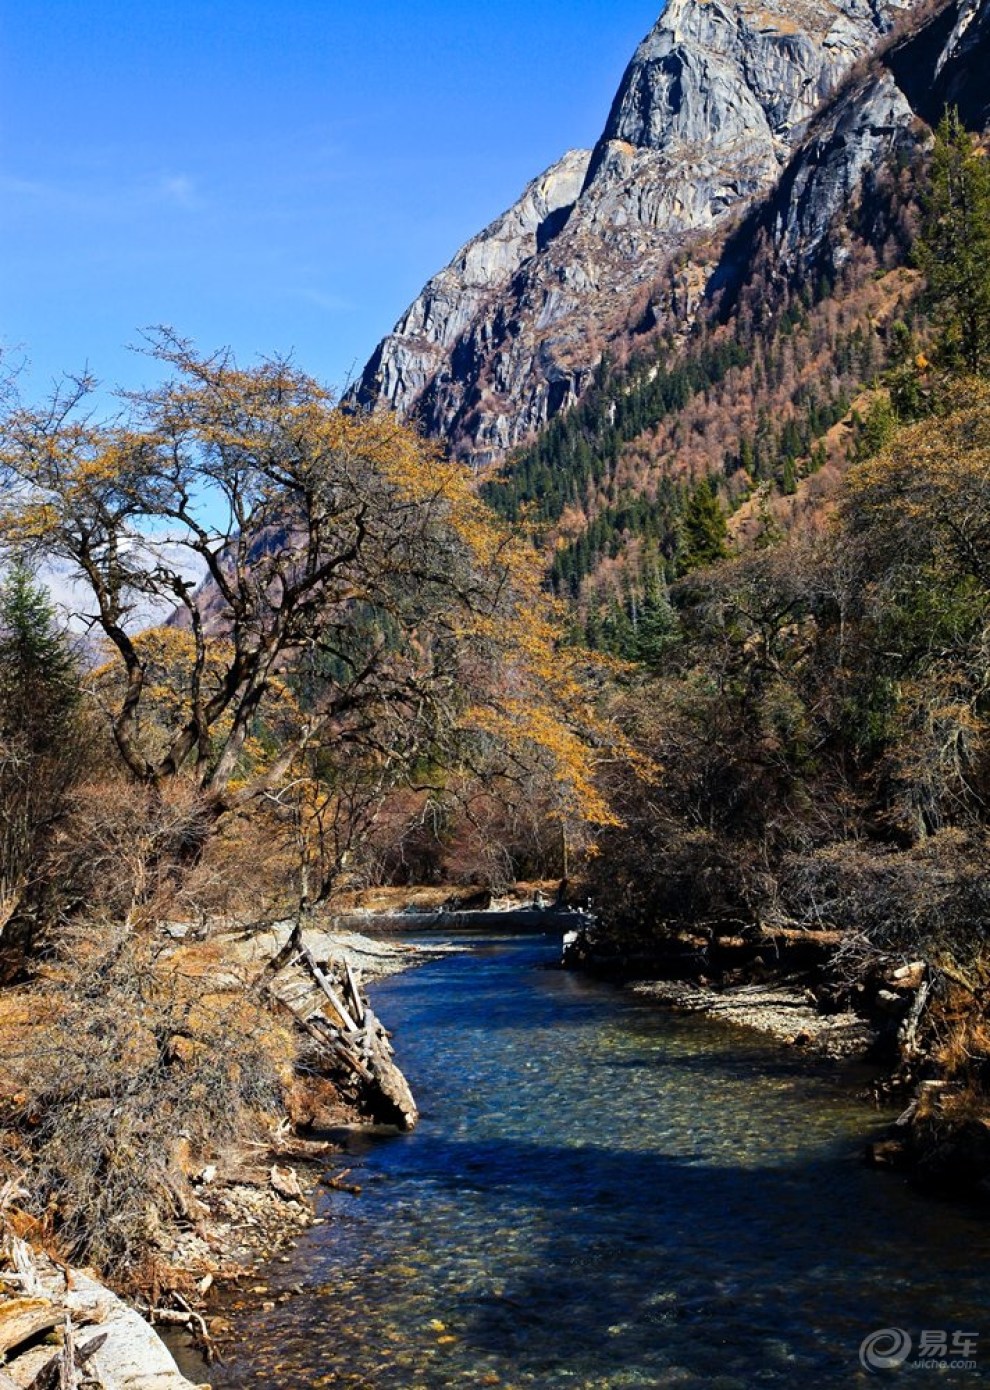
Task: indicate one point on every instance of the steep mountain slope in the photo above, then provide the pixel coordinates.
(947, 63)
(768, 397)
(709, 113)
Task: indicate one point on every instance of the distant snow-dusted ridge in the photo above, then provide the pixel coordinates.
(75, 604)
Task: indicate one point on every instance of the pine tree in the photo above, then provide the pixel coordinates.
(875, 429)
(38, 676)
(40, 732)
(747, 455)
(658, 630)
(703, 529)
(953, 250)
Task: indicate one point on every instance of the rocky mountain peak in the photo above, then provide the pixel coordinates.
(709, 70)
(710, 111)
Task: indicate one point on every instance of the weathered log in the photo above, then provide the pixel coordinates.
(308, 1150)
(390, 1081)
(51, 1376)
(168, 1317)
(199, 1322)
(908, 1034)
(910, 976)
(67, 1378)
(191, 1320)
(373, 1024)
(319, 1028)
(331, 1039)
(363, 1047)
(285, 1182)
(336, 1181)
(20, 1256)
(281, 959)
(355, 991)
(24, 1318)
(338, 1005)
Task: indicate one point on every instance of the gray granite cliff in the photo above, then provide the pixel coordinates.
(726, 110)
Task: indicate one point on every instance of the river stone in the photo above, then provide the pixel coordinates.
(133, 1356)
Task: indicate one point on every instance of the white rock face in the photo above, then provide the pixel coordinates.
(454, 301)
(133, 1357)
(711, 109)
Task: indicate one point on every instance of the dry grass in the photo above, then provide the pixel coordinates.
(121, 1075)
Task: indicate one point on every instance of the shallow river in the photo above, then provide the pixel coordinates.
(604, 1194)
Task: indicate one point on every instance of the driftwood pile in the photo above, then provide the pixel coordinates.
(327, 1002)
(61, 1330)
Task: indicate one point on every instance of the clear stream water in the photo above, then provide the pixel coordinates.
(604, 1194)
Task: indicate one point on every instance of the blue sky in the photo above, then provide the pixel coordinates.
(270, 177)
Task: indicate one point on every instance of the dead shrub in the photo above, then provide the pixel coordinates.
(932, 900)
(132, 1071)
(125, 848)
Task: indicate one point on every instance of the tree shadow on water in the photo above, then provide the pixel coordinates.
(772, 1273)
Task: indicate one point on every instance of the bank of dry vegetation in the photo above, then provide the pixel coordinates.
(305, 659)
(818, 709)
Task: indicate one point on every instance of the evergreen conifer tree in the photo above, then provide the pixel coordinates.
(40, 732)
(38, 675)
(658, 625)
(953, 250)
(703, 529)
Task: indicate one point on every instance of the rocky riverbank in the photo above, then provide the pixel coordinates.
(786, 1011)
(776, 983)
(229, 1211)
(921, 1025)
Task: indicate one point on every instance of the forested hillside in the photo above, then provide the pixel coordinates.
(815, 698)
(711, 647)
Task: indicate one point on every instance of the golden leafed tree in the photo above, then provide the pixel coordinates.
(340, 599)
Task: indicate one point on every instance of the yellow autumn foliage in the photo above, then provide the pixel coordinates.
(363, 608)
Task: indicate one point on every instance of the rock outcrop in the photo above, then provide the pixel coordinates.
(710, 113)
(946, 64)
(455, 301)
(962, 74)
(827, 177)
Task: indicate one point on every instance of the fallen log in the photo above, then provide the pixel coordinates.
(19, 1253)
(281, 959)
(355, 993)
(337, 1182)
(391, 1083)
(334, 999)
(24, 1318)
(67, 1377)
(348, 1033)
(908, 1034)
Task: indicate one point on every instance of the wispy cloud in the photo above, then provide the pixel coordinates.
(333, 303)
(28, 189)
(179, 189)
(102, 194)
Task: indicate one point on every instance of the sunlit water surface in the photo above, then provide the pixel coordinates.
(605, 1194)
